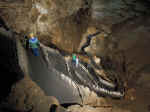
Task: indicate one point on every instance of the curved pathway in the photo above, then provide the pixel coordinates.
(60, 78)
(50, 81)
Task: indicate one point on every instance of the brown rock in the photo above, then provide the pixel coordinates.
(26, 95)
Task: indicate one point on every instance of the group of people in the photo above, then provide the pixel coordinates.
(34, 44)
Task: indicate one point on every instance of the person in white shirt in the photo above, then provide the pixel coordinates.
(77, 62)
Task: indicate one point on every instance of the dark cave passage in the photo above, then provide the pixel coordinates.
(9, 69)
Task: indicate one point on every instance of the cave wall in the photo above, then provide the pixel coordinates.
(50, 20)
(67, 24)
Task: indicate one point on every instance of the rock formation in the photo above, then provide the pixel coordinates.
(122, 45)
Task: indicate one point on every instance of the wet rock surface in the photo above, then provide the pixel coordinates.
(27, 96)
(122, 45)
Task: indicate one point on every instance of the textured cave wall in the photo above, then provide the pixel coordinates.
(110, 17)
(125, 51)
(124, 43)
(50, 20)
(129, 53)
(67, 23)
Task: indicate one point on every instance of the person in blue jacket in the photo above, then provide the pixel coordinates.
(34, 44)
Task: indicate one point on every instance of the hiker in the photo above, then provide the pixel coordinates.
(74, 58)
(34, 44)
(77, 61)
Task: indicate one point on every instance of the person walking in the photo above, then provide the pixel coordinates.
(74, 58)
(34, 44)
(77, 61)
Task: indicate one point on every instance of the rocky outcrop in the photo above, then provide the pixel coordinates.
(65, 23)
(27, 96)
(113, 12)
(50, 20)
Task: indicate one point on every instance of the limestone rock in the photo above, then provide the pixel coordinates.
(50, 20)
(109, 13)
(27, 96)
(77, 108)
(64, 23)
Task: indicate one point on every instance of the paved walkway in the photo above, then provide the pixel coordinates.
(48, 78)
